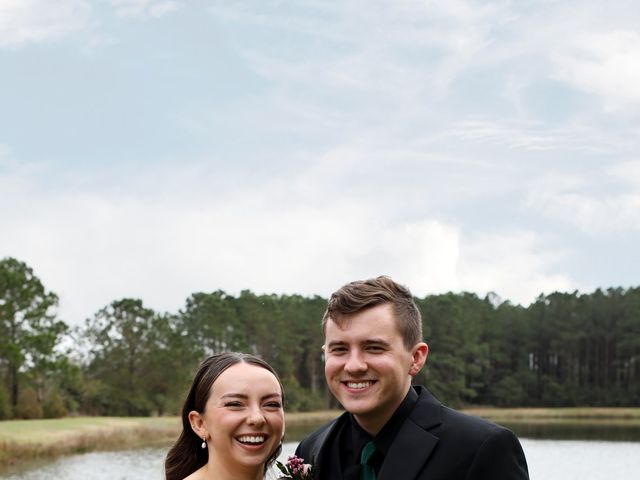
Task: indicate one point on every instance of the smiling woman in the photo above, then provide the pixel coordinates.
(232, 419)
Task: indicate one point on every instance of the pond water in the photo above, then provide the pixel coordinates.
(548, 460)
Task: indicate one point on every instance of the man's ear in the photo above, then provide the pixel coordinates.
(197, 424)
(418, 358)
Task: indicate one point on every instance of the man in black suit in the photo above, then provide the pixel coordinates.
(392, 430)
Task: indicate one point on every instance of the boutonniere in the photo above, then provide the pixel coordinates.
(296, 469)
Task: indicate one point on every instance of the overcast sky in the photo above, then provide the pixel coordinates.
(154, 149)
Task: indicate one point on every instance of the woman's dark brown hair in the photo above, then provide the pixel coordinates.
(186, 456)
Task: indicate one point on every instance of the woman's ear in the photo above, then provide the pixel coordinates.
(197, 424)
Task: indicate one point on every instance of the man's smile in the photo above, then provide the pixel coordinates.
(358, 384)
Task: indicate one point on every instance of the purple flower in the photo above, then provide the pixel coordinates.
(296, 469)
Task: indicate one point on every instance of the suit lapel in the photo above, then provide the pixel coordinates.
(324, 451)
(413, 444)
(408, 454)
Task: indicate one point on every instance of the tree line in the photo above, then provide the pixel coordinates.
(565, 349)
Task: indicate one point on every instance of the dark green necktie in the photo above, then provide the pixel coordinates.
(366, 471)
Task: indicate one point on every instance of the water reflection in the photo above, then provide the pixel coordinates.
(581, 460)
(142, 464)
(553, 458)
(548, 460)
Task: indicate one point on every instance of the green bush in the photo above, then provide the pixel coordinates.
(508, 393)
(54, 406)
(28, 405)
(5, 405)
(94, 398)
(298, 399)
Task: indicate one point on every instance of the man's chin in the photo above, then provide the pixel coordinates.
(359, 408)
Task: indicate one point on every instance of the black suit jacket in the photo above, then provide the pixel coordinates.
(434, 443)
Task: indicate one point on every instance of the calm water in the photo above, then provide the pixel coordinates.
(549, 459)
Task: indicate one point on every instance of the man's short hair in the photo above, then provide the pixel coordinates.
(361, 295)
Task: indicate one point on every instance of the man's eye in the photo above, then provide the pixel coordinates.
(375, 348)
(338, 350)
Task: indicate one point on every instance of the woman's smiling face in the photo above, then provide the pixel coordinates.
(243, 417)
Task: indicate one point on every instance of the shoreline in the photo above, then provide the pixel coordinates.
(26, 441)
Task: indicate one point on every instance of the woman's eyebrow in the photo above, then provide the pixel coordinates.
(234, 395)
(245, 396)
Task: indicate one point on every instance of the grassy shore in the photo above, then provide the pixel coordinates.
(28, 440)
(583, 415)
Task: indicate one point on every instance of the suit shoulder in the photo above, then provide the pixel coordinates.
(310, 442)
(475, 429)
(497, 452)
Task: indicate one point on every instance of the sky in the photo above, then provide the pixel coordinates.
(154, 148)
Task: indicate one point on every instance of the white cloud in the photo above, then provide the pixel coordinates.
(627, 172)
(162, 8)
(142, 8)
(578, 139)
(436, 42)
(392, 124)
(168, 233)
(398, 64)
(33, 21)
(606, 64)
(421, 254)
(5, 156)
(514, 264)
(577, 200)
(511, 135)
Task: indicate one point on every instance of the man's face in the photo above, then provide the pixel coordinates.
(367, 366)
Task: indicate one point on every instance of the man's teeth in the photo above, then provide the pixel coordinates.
(358, 384)
(251, 439)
